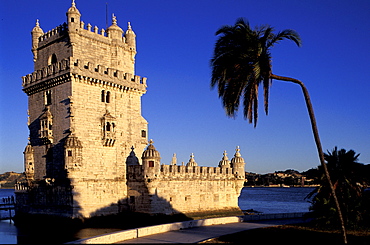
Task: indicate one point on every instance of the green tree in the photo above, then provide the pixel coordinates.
(349, 184)
(242, 62)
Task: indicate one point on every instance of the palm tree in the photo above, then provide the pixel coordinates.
(241, 62)
(349, 183)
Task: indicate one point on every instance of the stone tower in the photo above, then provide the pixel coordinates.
(84, 107)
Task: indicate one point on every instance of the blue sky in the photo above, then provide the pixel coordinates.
(175, 40)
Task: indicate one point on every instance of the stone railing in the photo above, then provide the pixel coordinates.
(98, 73)
(45, 72)
(57, 31)
(109, 72)
(183, 172)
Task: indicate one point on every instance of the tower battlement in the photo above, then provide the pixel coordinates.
(175, 172)
(94, 74)
(114, 47)
(53, 34)
(89, 31)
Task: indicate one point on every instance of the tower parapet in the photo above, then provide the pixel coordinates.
(91, 73)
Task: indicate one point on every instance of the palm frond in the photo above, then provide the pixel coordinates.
(285, 34)
(241, 62)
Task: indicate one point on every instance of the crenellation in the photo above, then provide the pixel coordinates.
(118, 78)
(187, 172)
(53, 33)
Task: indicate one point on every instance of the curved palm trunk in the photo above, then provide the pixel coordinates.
(318, 144)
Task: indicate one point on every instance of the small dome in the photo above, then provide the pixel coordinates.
(37, 28)
(132, 159)
(225, 161)
(237, 157)
(114, 26)
(29, 148)
(72, 142)
(191, 162)
(73, 9)
(150, 151)
(129, 30)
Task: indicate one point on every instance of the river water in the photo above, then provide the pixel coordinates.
(261, 199)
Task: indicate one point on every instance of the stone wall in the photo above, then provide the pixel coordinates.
(183, 189)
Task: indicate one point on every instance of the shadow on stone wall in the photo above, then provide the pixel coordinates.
(57, 228)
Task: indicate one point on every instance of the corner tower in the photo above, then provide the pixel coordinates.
(84, 103)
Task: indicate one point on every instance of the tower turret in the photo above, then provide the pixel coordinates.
(130, 37)
(132, 159)
(114, 31)
(72, 153)
(191, 162)
(224, 163)
(151, 161)
(73, 17)
(29, 162)
(36, 33)
(237, 164)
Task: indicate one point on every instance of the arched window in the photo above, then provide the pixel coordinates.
(52, 59)
(107, 97)
(102, 96)
(47, 97)
(107, 127)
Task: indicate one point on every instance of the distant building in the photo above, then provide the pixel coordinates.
(86, 128)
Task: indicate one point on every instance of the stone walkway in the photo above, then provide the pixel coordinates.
(199, 234)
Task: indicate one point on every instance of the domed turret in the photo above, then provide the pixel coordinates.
(72, 152)
(36, 33)
(191, 162)
(114, 31)
(151, 152)
(72, 142)
(130, 37)
(132, 159)
(237, 164)
(224, 163)
(151, 161)
(73, 17)
(29, 163)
